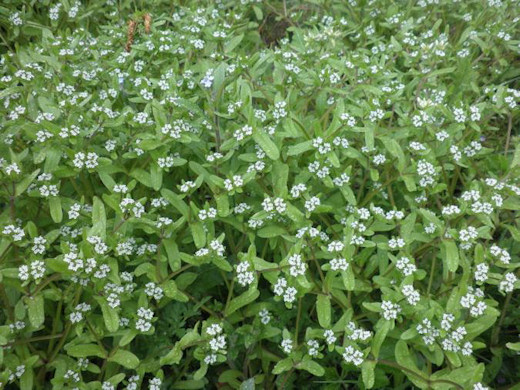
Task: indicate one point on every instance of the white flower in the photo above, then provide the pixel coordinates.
(390, 310)
(235, 182)
(508, 283)
(411, 294)
(335, 246)
(39, 245)
(467, 349)
(76, 317)
(143, 325)
(145, 313)
(244, 276)
(210, 213)
(154, 384)
(218, 343)
(313, 347)
(481, 272)
(152, 290)
(290, 295)
(396, 243)
(339, 264)
(23, 272)
(265, 316)
(330, 338)
(312, 203)
(287, 345)
(297, 267)
(214, 329)
(379, 159)
(352, 355)
(210, 358)
(297, 189)
(12, 168)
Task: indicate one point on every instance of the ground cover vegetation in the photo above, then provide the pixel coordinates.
(259, 194)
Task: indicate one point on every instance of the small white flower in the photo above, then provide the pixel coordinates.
(297, 267)
(352, 355)
(312, 203)
(390, 310)
(287, 345)
(265, 316)
(339, 264)
(330, 338)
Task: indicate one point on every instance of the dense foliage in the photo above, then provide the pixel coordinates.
(259, 194)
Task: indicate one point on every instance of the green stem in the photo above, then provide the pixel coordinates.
(298, 316)
(415, 373)
(432, 271)
(496, 331)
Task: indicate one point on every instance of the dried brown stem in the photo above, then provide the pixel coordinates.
(132, 25)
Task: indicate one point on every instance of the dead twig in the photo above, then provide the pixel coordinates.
(147, 23)
(132, 25)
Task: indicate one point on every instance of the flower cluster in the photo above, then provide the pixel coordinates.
(191, 190)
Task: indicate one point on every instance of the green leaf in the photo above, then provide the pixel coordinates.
(264, 141)
(302, 147)
(312, 367)
(127, 337)
(172, 252)
(367, 373)
(349, 280)
(25, 183)
(407, 227)
(222, 205)
(242, 300)
(176, 201)
(481, 324)
(452, 255)
(232, 43)
(516, 157)
(190, 337)
(439, 72)
(280, 175)
(271, 231)
(99, 219)
(258, 12)
(198, 234)
(158, 113)
(35, 308)
(171, 291)
(248, 384)
(172, 357)
(379, 337)
(395, 150)
(125, 358)
(323, 308)
(52, 160)
(107, 180)
(110, 315)
(282, 366)
(47, 105)
(404, 358)
(84, 350)
(201, 372)
(513, 346)
(156, 177)
(55, 209)
(142, 177)
(409, 183)
(222, 263)
(219, 80)
(27, 379)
